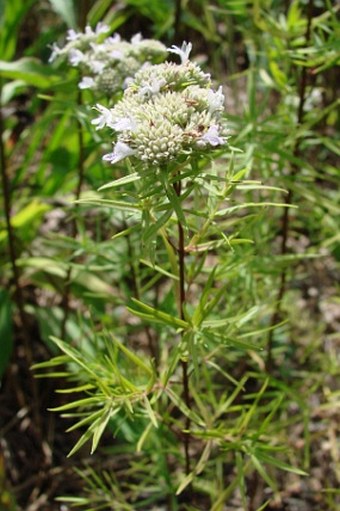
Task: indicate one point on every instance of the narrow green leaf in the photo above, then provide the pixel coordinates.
(150, 412)
(263, 473)
(85, 402)
(266, 458)
(174, 200)
(131, 356)
(183, 407)
(143, 437)
(151, 231)
(230, 341)
(131, 178)
(225, 404)
(65, 9)
(159, 269)
(74, 355)
(115, 204)
(99, 426)
(29, 70)
(157, 316)
(82, 440)
(228, 211)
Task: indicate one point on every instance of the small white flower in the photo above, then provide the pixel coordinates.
(124, 124)
(96, 47)
(116, 54)
(89, 31)
(120, 151)
(75, 57)
(101, 28)
(136, 39)
(86, 83)
(183, 51)
(149, 89)
(115, 38)
(211, 137)
(56, 51)
(72, 35)
(96, 66)
(215, 100)
(105, 119)
(127, 82)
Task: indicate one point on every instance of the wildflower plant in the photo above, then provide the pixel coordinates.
(166, 130)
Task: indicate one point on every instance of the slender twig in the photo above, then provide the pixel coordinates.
(184, 363)
(285, 222)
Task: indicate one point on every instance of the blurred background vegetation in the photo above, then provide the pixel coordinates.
(62, 275)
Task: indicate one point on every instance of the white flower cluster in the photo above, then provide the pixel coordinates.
(168, 110)
(107, 63)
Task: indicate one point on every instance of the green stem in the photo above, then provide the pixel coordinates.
(285, 222)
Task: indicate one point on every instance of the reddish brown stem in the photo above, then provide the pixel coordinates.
(184, 363)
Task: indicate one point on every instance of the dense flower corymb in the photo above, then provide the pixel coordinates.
(168, 110)
(107, 63)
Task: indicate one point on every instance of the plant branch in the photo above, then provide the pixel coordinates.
(182, 300)
(285, 221)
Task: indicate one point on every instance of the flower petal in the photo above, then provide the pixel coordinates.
(120, 151)
(183, 51)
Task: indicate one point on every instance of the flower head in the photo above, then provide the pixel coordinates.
(167, 111)
(107, 61)
(184, 51)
